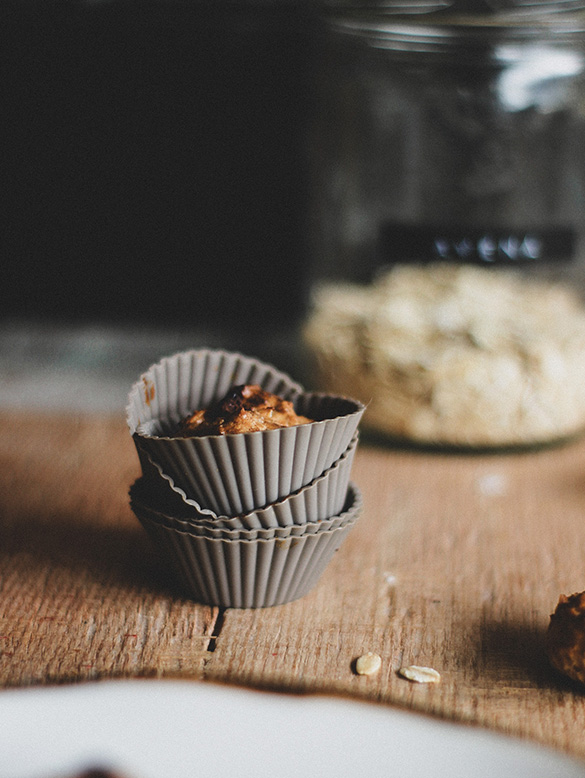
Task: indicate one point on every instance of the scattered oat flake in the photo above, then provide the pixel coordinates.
(492, 484)
(420, 674)
(368, 664)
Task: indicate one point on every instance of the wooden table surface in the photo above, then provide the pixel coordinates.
(456, 563)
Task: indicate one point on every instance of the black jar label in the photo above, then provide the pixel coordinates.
(415, 243)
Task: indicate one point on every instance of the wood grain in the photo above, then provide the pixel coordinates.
(456, 563)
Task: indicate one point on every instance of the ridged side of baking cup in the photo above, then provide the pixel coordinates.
(184, 382)
(324, 497)
(249, 573)
(237, 474)
(143, 510)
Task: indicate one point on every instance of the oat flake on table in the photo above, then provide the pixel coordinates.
(420, 674)
(368, 664)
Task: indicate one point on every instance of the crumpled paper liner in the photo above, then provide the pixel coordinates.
(251, 573)
(324, 497)
(235, 474)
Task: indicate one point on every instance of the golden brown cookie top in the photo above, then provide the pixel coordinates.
(245, 408)
(565, 641)
(572, 606)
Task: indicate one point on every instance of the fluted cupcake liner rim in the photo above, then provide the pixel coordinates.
(352, 507)
(322, 498)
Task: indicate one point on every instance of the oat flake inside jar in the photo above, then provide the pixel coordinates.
(448, 220)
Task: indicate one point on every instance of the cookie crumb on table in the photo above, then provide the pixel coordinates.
(565, 639)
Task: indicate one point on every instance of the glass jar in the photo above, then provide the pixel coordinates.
(449, 148)
(452, 135)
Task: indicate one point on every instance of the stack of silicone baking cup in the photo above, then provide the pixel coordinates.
(247, 520)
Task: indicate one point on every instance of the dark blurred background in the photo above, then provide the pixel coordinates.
(153, 162)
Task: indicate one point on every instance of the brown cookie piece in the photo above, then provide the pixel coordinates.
(565, 640)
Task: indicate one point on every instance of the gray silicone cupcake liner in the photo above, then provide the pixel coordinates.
(235, 474)
(143, 510)
(249, 573)
(322, 498)
(182, 383)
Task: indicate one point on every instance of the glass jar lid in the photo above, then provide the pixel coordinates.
(398, 7)
(518, 6)
(465, 36)
(474, 8)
